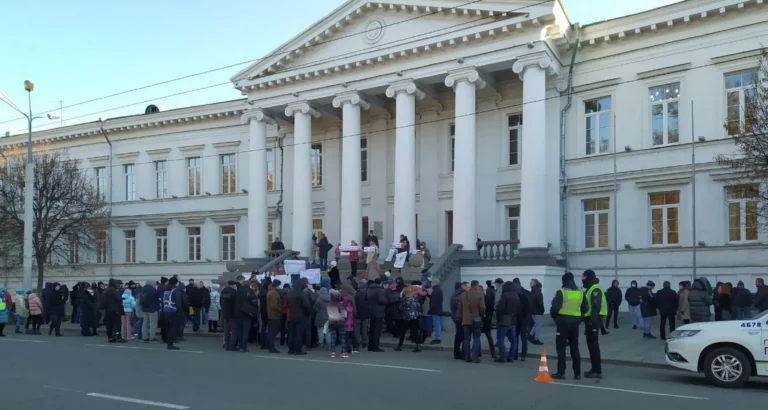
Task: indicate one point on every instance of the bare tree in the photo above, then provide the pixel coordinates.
(68, 211)
(747, 123)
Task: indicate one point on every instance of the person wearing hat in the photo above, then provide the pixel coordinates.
(648, 308)
(596, 311)
(172, 312)
(568, 308)
(334, 275)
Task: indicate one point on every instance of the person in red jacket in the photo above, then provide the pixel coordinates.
(354, 258)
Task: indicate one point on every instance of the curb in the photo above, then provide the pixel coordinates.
(446, 348)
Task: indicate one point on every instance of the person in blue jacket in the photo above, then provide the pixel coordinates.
(3, 312)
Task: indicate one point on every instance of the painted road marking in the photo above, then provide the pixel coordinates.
(342, 361)
(138, 401)
(5, 339)
(648, 393)
(145, 348)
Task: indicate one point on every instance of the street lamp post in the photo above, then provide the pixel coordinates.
(29, 181)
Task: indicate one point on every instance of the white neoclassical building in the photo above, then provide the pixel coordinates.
(446, 122)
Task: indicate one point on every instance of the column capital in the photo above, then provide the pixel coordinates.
(302, 107)
(256, 114)
(541, 60)
(468, 74)
(404, 86)
(350, 97)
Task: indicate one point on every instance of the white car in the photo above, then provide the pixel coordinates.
(728, 352)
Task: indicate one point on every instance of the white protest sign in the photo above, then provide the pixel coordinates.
(260, 278)
(391, 255)
(293, 267)
(400, 260)
(312, 275)
(369, 249)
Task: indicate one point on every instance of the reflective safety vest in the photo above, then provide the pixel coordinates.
(571, 302)
(2, 302)
(603, 303)
(169, 306)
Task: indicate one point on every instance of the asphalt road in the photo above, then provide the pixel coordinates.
(73, 373)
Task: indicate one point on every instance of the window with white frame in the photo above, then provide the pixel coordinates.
(452, 131)
(74, 249)
(101, 182)
(228, 173)
(515, 128)
(130, 182)
(194, 176)
(665, 111)
(270, 170)
(739, 96)
(598, 125)
(161, 179)
(596, 223)
(513, 218)
(101, 247)
(665, 208)
(130, 246)
(363, 159)
(228, 243)
(316, 162)
(194, 241)
(161, 243)
(742, 213)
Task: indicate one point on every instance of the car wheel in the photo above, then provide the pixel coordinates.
(727, 367)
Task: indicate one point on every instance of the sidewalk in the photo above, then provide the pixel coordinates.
(622, 346)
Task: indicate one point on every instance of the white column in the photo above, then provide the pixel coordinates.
(533, 194)
(405, 94)
(465, 82)
(302, 176)
(351, 201)
(257, 186)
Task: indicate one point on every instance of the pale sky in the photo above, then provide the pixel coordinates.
(80, 50)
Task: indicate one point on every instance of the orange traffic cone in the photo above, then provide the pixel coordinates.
(543, 376)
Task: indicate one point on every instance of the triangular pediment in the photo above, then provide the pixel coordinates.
(360, 27)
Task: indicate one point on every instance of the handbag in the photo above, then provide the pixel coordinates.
(249, 310)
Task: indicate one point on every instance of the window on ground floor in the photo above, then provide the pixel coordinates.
(664, 217)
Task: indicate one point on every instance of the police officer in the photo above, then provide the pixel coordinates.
(172, 303)
(568, 308)
(593, 319)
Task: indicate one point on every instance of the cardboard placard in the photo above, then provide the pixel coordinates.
(400, 260)
(294, 267)
(312, 275)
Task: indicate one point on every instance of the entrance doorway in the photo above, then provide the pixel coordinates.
(365, 231)
(449, 226)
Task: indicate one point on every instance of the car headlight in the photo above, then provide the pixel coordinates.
(677, 334)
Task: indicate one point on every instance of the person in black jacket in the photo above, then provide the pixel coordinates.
(593, 321)
(377, 303)
(648, 308)
(490, 307)
(56, 304)
(73, 296)
(613, 298)
(742, 301)
(89, 311)
(264, 314)
(537, 312)
(227, 301)
(112, 303)
(568, 326)
(323, 246)
(507, 313)
(523, 320)
(761, 295)
(725, 306)
(300, 309)
(195, 298)
(173, 313)
(699, 300)
(667, 301)
(632, 296)
(245, 305)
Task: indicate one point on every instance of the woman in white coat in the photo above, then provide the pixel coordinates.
(214, 309)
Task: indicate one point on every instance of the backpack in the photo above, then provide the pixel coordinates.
(145, 300)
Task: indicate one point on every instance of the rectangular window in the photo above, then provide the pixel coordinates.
(453, 146)
(596, 223)
(598, 125)
(316, 162)
(742, 213)
(161, 239)
(194, 176)
(161, 179)
(130, 246)
(664, 114)
(270, 234)
(228, 173)
(513, 216)
(664, 217)
(270, 170)
(130, 182)
(101, 247)
(101, 182)
(74, 249)
(515, 127)
(228, 243)
(363, 159)
(194, 241)
(739, 97)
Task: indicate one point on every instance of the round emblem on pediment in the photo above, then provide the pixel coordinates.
(374, 31)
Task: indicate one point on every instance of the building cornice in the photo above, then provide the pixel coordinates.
(100, 161)
(158, 154)
(226, 147)
(128, 157)
(192, 150)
